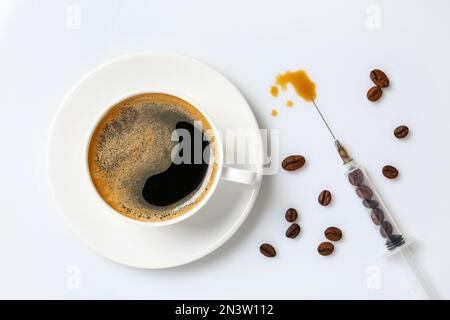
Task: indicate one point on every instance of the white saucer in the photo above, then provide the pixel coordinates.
(128, 243)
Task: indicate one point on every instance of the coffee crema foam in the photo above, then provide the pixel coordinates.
(131, 143)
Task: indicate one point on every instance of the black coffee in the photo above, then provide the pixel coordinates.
(180, 179)
(144, 170)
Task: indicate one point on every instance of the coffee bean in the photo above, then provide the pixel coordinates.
(379, 78)
(293, 231)
(386, 229)
(293, 162)
(374, 93)
(377, 216)
(370, 204)
(325, 248)
(333, 234)
(390, 172)
(356, 177)
(267, 250)
(364, 192)
(401, 132)
(324, 197)
(291, 215)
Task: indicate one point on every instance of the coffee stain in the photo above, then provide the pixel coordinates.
(274, 91)
(289, 103)
(301, 83)
(274, 113)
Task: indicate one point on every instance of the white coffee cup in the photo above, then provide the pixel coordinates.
(224, 172)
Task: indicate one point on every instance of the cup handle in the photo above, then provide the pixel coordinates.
(238, 175)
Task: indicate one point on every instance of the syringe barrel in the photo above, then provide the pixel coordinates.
(382, 220)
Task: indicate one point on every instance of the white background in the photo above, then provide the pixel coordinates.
(44, 52)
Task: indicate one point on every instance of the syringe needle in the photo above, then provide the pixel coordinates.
(341, 150)
(323, 119)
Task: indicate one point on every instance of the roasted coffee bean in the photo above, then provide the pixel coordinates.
(390, 172)
(374, 93)
(364, 192)
(267, 250)
(370, 204)
(386, 229)
(324, 197)
(293, 162)
(291, 215)
(333, 234)
(325, 248)
(379, 78)
(293, 231)
(356, 177)
(401, 132)
(377, 216)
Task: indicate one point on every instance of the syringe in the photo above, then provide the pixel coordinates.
(394, 240)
